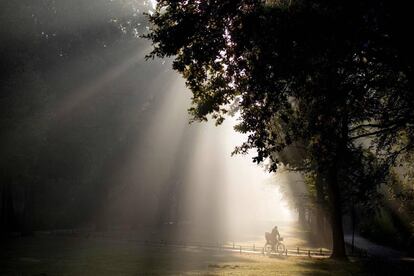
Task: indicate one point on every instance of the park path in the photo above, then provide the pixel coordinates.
(374, 249)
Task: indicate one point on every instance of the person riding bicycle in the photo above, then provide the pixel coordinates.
(274, 242)
(275, 234)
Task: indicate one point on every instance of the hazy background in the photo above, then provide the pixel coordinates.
(95, 137)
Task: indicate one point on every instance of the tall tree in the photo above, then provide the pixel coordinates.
(316, 66)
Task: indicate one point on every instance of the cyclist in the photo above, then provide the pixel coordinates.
(275, 234)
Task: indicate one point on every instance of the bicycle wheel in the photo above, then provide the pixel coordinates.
(268, 248)
(280, 248)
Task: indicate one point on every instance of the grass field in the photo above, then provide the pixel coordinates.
(79, 256)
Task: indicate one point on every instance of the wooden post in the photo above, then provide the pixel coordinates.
(321, 251)
(309, 254)
(298, 250)
(233, 245)
(240, 249)
(254, 247)
(285, 251)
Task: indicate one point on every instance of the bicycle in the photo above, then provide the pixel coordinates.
(274, 245)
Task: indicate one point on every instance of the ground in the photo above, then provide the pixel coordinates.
(85, 256)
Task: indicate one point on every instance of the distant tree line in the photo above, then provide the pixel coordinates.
(58, 152)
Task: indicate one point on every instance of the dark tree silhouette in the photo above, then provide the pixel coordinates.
(323, 72)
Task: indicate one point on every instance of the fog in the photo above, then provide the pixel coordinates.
(181, 177)
(97, 137)
(102, 173)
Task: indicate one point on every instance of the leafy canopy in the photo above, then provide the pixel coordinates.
(314, 71)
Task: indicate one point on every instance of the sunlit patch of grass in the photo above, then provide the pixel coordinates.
(287, 266)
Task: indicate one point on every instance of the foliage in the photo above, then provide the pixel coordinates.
(312, 66)
(319, 73)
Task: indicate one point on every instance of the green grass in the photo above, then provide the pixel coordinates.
(78, 256)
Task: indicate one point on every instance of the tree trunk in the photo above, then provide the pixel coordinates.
(28, 210)
(338, 243)
(301, 215)
(337, 150)
(353, 227)
(101, 223)
(320, 214)
(6, 209)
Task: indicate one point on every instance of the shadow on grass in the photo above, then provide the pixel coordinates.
(72, 256)
(279, 257)
(358, 267)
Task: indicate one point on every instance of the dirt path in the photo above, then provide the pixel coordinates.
(374, 249)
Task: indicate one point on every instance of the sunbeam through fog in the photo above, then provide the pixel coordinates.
(102, 173)
(184, 178)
